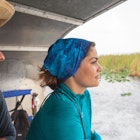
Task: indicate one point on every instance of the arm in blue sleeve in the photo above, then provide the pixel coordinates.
(95, 136)
(7, 130)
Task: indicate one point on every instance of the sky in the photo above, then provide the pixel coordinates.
(116, 31)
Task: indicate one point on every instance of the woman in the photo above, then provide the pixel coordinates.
(69, 68)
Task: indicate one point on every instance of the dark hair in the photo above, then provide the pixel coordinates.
(48, 79)
(91, 45)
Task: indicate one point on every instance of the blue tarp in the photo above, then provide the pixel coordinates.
(13, 93)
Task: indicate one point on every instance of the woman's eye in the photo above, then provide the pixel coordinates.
(93, 62)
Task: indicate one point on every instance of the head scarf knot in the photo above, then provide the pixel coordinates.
(64, 57)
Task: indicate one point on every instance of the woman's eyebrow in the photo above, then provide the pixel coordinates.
(94, 58)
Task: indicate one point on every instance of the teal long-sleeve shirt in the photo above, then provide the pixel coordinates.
(58, 118)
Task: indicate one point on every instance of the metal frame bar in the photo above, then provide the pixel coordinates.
(46, 14)
(24, 48)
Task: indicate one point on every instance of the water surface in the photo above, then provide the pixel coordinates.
(117, 117)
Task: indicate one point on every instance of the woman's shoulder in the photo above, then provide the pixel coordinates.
(58, 101)
(57, 97)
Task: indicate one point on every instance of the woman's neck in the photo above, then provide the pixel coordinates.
(74, 87)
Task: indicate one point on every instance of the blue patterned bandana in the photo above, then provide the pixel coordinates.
(64, 57)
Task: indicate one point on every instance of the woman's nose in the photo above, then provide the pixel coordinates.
(100, 68)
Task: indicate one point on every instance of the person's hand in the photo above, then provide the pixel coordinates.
(2, 139)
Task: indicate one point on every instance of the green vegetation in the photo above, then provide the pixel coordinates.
(119, 67)
(126, 94)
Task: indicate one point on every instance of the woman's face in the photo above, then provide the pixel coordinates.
(88, 73)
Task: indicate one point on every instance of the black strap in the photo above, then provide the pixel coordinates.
(18, 103)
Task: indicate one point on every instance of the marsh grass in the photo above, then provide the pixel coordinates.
(126, 94)
(119, 67)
